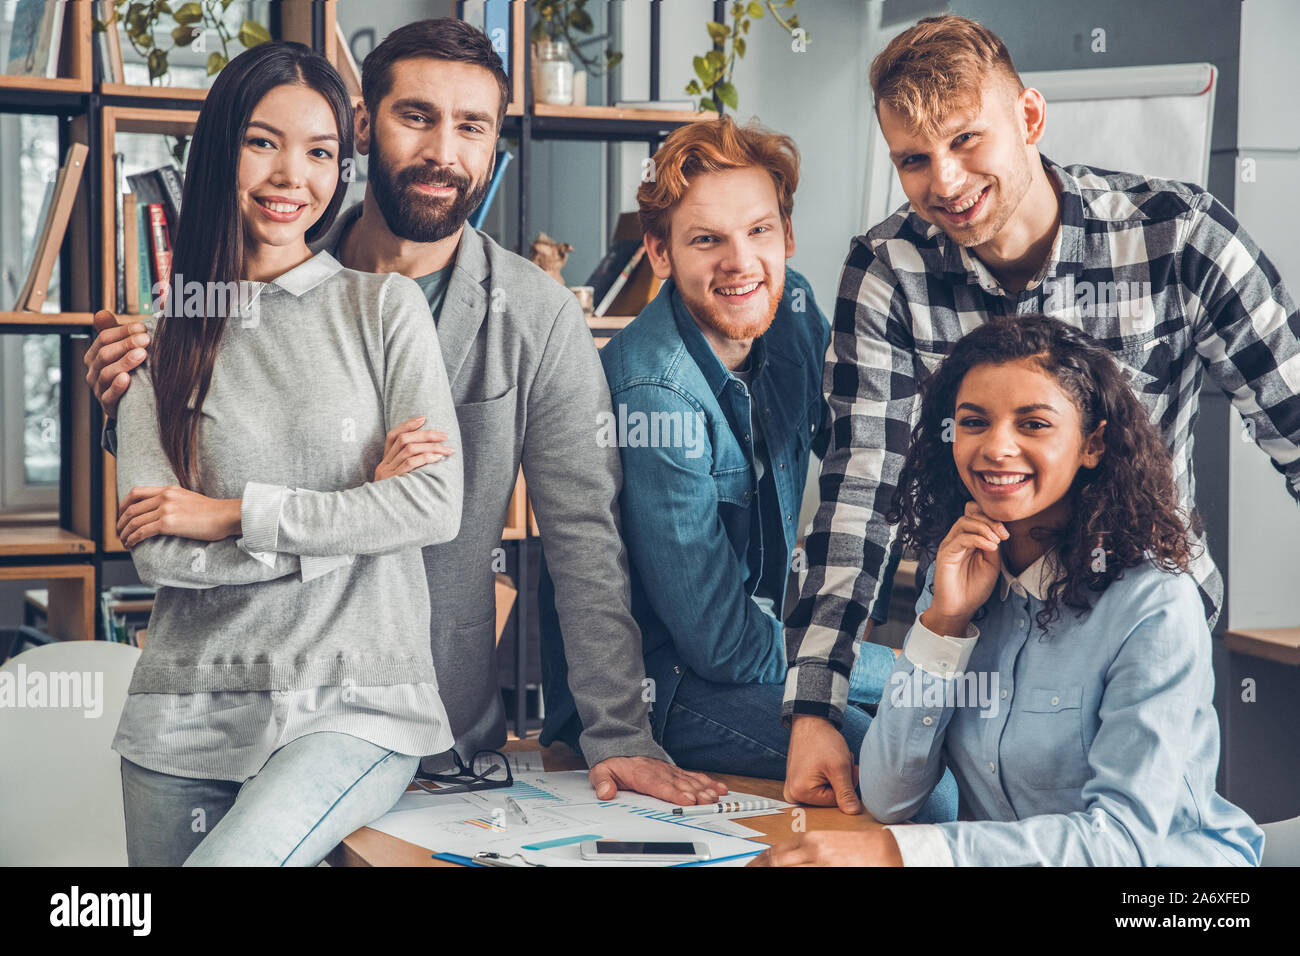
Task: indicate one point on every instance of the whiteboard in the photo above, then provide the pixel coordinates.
(1153, 120)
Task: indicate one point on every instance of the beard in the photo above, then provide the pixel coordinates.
(412, 215)
(710, 313)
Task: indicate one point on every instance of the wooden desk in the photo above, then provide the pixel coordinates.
(367, 847)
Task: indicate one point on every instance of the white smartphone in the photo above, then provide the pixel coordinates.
(683, 852)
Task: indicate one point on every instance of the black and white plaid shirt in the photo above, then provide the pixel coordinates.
(1159, 272)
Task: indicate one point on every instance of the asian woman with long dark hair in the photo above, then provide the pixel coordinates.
(286, 690)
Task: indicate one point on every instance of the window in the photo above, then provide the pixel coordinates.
(29, 422)
(29, 364)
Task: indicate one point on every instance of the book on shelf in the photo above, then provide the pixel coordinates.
(144, 258)
(35, 38)
(621, 280)
(119, 231)
(496, 24)
(54, 224)
(611, 264)
(624, 281)
(163, 185)
(480, 214)
(107, 47)
(160, 243)
(124, 612)
(130, 252)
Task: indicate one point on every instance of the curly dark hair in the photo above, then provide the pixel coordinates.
(1127, 505)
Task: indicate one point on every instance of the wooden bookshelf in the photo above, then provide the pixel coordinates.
(112, 543)
(618, 113)
(518, 39)
(41, 539)
(607, 323)
(295, 24)
(128, 119)
(75, 66)
(53, 319)
(181, 94)
(517, 512)
(71, 596)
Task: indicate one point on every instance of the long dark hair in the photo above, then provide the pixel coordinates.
(208, 243)
(1127, 506)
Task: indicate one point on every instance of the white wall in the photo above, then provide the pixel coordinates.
(818, 97)
(1264, 526)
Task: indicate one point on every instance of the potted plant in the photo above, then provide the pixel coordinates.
(147, 31)
(555, 41)
(712, 82)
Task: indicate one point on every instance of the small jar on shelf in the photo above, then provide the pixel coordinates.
(552, 73)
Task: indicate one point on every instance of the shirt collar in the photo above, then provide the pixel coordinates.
(301, 279)
(304, 277)
(1033, 580)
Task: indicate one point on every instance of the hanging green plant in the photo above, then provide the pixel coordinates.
(712, 82)
(148, 32)
(559, 20)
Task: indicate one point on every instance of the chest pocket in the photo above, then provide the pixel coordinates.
(735, 486)
(1043, 742)
(1150, 364)
(487, 437)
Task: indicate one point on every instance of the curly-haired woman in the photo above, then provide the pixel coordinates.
(1060, 666)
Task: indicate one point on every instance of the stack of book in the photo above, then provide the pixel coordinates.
(146, 217)
(125, 613)
(623, 281)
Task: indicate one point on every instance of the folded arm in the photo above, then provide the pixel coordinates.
(418, 508)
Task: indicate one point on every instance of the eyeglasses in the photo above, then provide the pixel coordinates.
(487, 770)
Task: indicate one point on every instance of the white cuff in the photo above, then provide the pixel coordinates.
(314, 566)
(259, 515)
(922, 844)
(266, 557)
(936, 654)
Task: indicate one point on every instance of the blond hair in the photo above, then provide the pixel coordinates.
(937, 66)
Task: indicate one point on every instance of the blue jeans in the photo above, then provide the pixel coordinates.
(737, 728)
(309, 795)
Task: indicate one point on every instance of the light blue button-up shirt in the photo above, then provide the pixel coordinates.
(1095, 743)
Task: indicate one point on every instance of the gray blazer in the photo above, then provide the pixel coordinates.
(528, 387)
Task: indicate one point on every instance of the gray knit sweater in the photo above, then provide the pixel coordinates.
(302, 395)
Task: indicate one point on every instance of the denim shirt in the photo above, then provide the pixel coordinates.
(687, 506)
(1095, 743)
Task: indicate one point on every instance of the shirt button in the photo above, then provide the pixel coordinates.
(993, 768)
(943, 665)
(740, 387)
(746, 438)
(1004, 695)
(1024, 622)
(927, 721)
(812, 429)
(676, 669)
(781, 466)
(1055, 701)
(767, 412)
